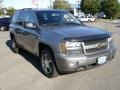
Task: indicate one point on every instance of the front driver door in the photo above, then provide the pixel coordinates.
(30, 35)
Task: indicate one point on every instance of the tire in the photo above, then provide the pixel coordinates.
(3, 28)
(14, 46)
(89, 20)
(47, 62)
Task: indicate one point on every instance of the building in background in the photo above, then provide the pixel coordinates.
(77, 10)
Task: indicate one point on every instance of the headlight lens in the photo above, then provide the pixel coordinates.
(110, 39)
(70, 46)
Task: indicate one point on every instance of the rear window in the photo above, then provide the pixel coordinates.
(4, 19)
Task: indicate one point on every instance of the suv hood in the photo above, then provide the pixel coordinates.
(79, 32)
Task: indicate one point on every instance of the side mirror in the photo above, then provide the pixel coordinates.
(30, 25)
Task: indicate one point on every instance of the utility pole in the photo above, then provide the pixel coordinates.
(36, 6)
(41, 3)
(1, 3)
(78, 6)
(51, 6)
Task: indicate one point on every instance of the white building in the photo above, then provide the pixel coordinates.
(77, 10)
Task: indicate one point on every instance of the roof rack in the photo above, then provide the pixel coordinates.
(26, 9)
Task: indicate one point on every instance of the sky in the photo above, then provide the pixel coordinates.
(19, 4)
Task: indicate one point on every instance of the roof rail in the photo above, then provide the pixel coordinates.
(26, 9)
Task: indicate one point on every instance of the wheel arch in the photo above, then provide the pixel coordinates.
(12, 36)
(42, 46)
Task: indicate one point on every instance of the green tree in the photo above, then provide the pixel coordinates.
(90, 6)
(110, 7)
(0, 12)
(118, 15)
(61, 4)
(11, 11)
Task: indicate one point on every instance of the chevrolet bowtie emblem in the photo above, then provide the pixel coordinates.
(99, 45)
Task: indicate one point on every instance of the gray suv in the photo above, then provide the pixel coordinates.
(61, 42)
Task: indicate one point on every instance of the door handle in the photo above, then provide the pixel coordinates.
(25, 33)
(19, 31)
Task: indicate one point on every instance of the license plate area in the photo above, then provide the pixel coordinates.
(102, 60)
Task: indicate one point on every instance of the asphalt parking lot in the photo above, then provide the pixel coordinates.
(22, 72)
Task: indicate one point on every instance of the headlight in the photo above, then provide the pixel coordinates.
(110, 39)
(70, 46)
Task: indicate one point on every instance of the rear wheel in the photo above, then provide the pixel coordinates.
(14, 46)
(47, 62)
(89, 20)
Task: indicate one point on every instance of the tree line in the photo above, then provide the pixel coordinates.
(7, 11)
(110, 7)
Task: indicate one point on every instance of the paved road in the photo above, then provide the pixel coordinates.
(22, 72)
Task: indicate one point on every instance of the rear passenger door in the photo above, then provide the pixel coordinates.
(30, 35)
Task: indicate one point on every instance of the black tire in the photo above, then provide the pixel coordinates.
(14, 46)
(89, 20)
(3, 28)
(47, 57)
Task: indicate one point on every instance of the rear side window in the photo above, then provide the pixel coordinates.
(89, 17)
(4, 19)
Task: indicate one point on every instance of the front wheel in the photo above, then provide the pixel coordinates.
(48, 63)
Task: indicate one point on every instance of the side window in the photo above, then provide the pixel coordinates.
(82, 17)
(20, 19)
(89, 17)
(30, 17)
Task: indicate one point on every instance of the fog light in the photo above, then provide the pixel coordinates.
(72, 64)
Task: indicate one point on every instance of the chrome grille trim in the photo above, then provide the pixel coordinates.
(96, 46)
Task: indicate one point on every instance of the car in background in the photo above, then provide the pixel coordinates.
(100, 15)
(87, 18)
(4, 23)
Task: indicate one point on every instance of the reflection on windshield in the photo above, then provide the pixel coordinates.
(56, 18)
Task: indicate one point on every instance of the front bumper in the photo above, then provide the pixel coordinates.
(76, 62)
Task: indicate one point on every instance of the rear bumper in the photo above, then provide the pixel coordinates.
(70, 63)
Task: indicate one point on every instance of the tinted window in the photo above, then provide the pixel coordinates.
(14, 18)
(89, 17)
(30, 17)
(82, 17)
(20, 18)
(4, 19)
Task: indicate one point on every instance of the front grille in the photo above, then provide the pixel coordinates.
(96, 46)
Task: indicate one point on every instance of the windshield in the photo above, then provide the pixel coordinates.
(56, 17)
